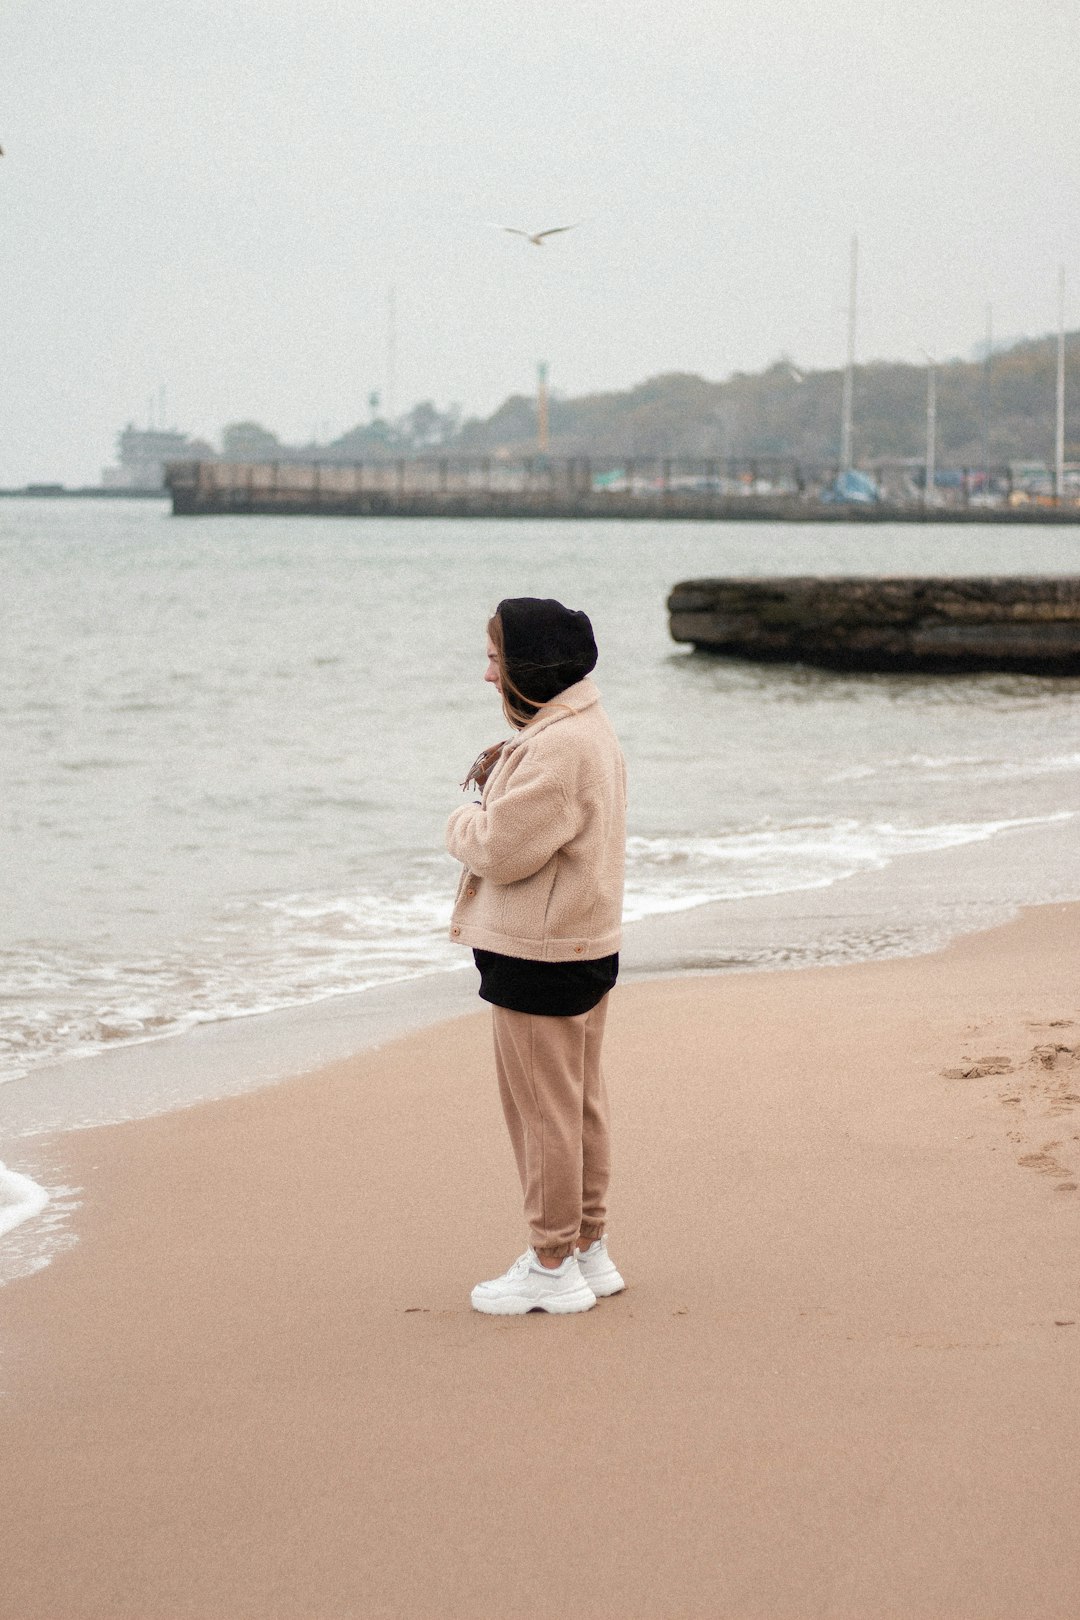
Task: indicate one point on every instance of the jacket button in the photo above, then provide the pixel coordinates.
(470, 893)
(455, 930)
(579, 949)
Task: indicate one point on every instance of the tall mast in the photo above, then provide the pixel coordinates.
(1059, 433)
(542, 439)
(849, 370)
(390, 391)
(930, 478)
(988, 363)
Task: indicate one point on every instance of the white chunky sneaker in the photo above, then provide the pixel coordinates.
(529, 1286)
(599, 1269)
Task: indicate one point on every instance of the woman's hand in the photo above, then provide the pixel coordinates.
(482, 766)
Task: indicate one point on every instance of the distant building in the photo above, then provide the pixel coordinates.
(249, 441)
(142, 454)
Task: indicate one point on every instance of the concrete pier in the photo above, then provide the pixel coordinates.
(645, 489)
(1027, 624)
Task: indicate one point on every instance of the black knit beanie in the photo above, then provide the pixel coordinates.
(547, 647)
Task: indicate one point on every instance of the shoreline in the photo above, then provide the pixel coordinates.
(255, 1387)
(917, 902)
(893, 912)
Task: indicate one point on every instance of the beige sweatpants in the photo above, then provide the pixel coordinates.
(555, 1101)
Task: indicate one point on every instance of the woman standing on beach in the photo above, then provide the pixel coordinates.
(540, 902)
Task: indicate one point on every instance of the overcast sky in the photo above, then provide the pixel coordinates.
(213, 197)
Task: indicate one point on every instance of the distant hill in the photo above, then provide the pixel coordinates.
(783, 411)
(786, 412)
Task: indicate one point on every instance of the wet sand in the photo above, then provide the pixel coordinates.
(843, 1381)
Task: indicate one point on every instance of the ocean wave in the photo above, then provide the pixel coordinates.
(20, 1199)
(964, 767)
(672, 873)
(303, 947)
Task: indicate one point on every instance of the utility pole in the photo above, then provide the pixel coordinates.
(1059, 434)
(930, 483)
(849, 370)
(542, 440)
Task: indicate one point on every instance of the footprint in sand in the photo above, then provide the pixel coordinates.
(1056, 1079)
(1045, 1164)
(1046, 1083)
(974, 1070)
(1043, 1161)
(1051, 1056)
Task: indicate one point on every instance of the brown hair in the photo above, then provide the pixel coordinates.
(516, 706)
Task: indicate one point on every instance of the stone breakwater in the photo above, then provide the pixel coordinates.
(1025, 623)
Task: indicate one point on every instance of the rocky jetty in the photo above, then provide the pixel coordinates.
(1026, 623)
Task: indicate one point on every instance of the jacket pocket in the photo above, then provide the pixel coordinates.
(550, 875)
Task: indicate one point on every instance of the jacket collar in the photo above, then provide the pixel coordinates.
(582, 695)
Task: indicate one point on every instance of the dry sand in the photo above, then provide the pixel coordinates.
(843, 1380)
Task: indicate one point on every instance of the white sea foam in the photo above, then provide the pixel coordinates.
(964, 767)
(301, 948)
(35, 1224)
(675, 874)
(20, 1199)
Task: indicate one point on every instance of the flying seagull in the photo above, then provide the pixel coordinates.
(537, 237)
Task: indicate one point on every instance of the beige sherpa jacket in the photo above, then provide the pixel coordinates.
(544, 850)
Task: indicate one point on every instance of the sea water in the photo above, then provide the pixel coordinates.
(229, 747)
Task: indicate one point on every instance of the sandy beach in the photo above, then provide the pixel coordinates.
(843, 1381)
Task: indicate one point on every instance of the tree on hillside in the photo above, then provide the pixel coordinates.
(787, 413)
(779, 412)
